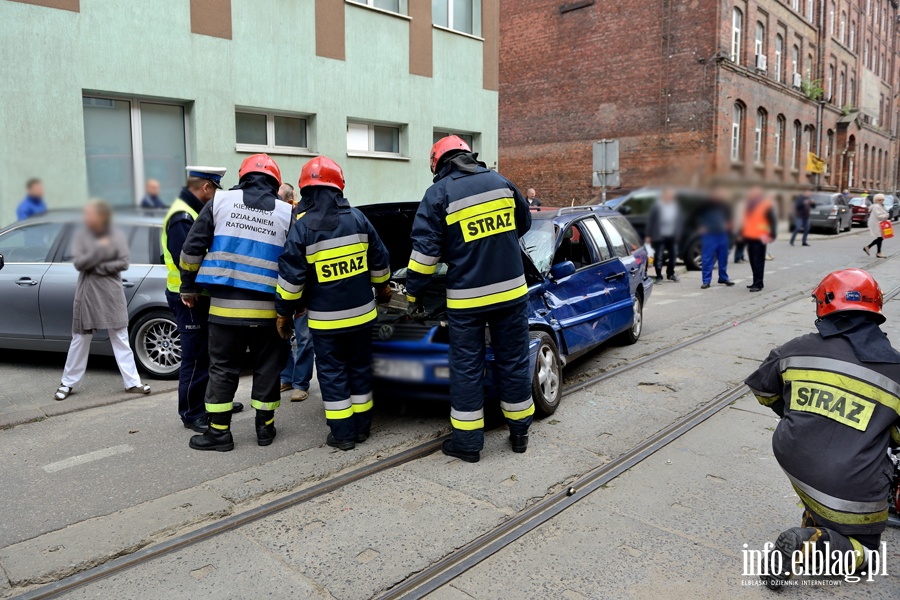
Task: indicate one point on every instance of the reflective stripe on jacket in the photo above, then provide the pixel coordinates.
(471, 219)
(246, 244)
(173, 277)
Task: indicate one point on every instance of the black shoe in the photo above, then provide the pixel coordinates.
(659, 279)
(705, 286)
(755, 289)
(807, 244)
(726, 282)
(674, 278)
(362, 436)
(469, 457)
(200, 424)
(340, 444)
(787, 544)
(519, 442)
(236, 407)
(265, 434)
(220, 442)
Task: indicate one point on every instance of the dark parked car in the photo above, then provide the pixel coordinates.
(37, 288)
(831, 213)
(587, 274)
(860, 207)
(636, 207)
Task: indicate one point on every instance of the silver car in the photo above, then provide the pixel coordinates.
(831, 213)
(37, 289)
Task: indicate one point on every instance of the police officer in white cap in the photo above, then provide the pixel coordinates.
(201, 186)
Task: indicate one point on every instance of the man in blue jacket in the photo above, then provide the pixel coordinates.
(33, 204)
(472, 219)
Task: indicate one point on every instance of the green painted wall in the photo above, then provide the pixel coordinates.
(145, 49)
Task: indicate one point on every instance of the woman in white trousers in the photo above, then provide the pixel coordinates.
(100, 254)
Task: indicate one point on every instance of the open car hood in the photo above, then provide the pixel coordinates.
(394, 223)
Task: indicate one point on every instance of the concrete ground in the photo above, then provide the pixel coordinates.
(95, 484)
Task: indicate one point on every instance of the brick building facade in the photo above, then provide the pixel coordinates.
(701, 92)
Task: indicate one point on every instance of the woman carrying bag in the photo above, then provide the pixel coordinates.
(99, 254)
(878, 215)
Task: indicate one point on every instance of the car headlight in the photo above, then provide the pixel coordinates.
(442, 372)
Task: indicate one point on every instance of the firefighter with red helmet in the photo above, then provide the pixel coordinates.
(332, 260)
(471, 219)
(232, 252)
(838, 395)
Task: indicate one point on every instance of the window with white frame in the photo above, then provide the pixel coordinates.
(737, 27)
(842, 28)
(795, 4)
(841, 87)
(779, 138)
(810, 136)
(829, 148)
(128, 141)
(809, 10)
(759, 137)
(737, 121)
(796, 140)
(459, 15)
(866, 54)
(467, 137)
(831, 10)
(853, 36)
(278, 133)
(779, 57)
(373, 139)
(397, 6)
(829, 84)
(759, 41)
(795, 59)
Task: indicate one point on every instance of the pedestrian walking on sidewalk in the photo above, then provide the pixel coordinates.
(99, 254)
(663, 229)
(877, 214)
(803, 205)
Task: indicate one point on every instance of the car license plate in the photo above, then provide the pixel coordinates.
(406, 370)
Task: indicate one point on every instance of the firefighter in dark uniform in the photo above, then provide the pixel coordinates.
(201, 186)
(472, 219)
(838, 395)
(232, 252)
(332, 260)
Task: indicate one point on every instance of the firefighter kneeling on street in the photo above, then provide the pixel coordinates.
(232, 251)
(472, 219)
(838, 393)
(331, 261)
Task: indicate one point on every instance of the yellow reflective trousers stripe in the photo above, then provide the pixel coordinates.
(519, 414)
(265, 405)
(242, 313)
(344, 413)
(843, 518)
(489, 299)
(467, 425)
(344, 323)
(219, 408)
(219, 427)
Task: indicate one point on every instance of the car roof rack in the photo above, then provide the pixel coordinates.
(574, 209)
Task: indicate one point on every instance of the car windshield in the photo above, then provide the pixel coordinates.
(823, 199)
(540, 243)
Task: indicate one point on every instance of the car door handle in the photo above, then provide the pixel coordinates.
(127, 284)
(26, 281)
(614, 276)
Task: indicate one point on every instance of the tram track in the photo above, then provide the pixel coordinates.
(476, 551)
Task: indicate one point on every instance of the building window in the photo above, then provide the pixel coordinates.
(829, 84)
(760, 41)
(459, 15)
(795, 4)
(809, 67)
(397, 6)
(779, 139)
(737, 122)
(737, 25)
(853, 90)
(796, 141)
(779, 57)
(841, 85)
(829, 149)
(853, 36)
(468, 138)
(875, 58)
(795, 60)
(759, 138)
(883, 62)
(257, 131)
(866, 54)
(842, 31)
(373, 139)
(830, 19)
(809, 10)
(127, 141)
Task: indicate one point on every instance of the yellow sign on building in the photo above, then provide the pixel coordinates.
(814, 164)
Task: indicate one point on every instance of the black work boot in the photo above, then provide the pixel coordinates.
(787, 543)
(450, 450)
(220, 441)
(265, 429)
(519, 442)
(340, 444)
(362, 436)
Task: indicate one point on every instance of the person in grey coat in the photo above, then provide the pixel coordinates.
(100, 254)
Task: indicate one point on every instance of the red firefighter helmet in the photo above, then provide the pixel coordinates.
(846, 290)
(260, 163)
(322, 171)
(445, 145)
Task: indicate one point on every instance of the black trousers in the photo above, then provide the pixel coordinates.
(756, 253)
(193, 375)
(344, 371)
(664, 250)
(877, 242)
(227, 353)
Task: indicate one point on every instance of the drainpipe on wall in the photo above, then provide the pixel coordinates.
(820, 108)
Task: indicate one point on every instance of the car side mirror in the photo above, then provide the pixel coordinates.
(562, 270)
(625, 209)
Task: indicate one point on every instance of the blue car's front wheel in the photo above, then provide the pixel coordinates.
(546, 385)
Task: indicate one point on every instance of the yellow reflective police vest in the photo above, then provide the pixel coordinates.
(173, 279)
